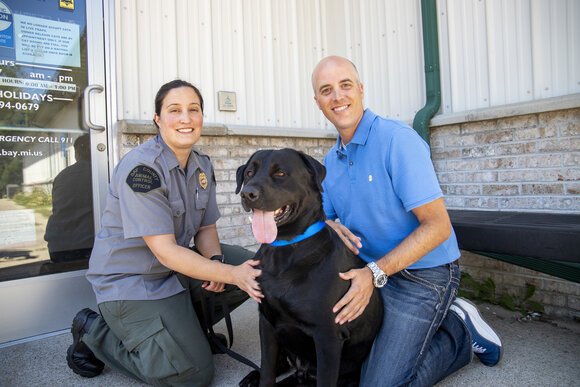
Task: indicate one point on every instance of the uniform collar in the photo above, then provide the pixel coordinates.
(171, 160)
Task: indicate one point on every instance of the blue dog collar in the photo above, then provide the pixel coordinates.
(311, 230)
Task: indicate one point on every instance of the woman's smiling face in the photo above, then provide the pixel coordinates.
(180, 119)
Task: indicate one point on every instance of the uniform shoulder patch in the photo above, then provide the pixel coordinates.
(143, 179)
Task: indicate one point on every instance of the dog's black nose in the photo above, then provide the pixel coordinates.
(250, 194)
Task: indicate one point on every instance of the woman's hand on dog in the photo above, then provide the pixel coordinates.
(354, 302)
(350, 240)
(211, 286)
(245, 278)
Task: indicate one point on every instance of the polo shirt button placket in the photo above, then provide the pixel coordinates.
(351, 171)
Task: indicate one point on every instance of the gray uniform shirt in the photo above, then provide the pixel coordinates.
(149, 194)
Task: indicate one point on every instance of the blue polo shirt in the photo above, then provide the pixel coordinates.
(374, 182)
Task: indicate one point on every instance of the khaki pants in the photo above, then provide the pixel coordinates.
(161, 342)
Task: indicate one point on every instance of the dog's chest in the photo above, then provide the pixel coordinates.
(288, 300)
(302, 293)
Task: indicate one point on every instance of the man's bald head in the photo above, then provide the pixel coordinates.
(328, 61)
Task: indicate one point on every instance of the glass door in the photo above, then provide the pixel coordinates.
(53, 160)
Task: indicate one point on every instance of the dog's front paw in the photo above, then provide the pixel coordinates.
(251, 380)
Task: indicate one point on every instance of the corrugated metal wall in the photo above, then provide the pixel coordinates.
(499, 52)
(493, 53)
(263, 50)
(384, 40)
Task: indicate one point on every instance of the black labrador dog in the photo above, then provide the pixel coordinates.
(300, 260)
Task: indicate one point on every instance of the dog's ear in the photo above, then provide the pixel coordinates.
(316, 168)
(240, 177)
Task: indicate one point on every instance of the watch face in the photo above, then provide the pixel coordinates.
(381, 280)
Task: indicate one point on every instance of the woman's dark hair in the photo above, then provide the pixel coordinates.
(166, 88)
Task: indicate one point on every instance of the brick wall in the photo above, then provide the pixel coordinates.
(521, 163)
(227, 153)
(559, 297)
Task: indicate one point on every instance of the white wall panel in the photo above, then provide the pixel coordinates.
(148, 39)
(228, 58)
(384, 39)
(265, 51)
(126, 29)
(262, 50)
(510, 59)
(192, 37)
(499, 52)
(573, 15)
(493, 53)
(159, 41)
(444, 55)
(309, 13)
(468, 54)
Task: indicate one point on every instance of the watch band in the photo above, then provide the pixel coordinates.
(379, 277)
(218, 257)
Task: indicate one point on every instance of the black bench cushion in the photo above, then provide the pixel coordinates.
(554, 237)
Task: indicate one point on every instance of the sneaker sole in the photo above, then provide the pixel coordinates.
(480, 324)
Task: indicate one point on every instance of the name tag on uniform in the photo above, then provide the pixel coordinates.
(143, 179)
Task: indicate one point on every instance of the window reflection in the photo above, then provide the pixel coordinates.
(70, 229)
(46, 208)
(46, 215)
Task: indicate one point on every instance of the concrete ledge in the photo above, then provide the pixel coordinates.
(533, 107)
(212, 129)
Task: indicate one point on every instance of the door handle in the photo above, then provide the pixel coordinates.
(87, 107)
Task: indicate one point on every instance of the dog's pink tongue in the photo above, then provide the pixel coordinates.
(264, 226)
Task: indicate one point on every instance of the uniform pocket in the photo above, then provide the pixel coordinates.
(160, 355)
(178, 211)
(201, 199)
(177, 208)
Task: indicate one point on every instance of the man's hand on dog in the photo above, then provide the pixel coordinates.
(350, 240)
(354, 302)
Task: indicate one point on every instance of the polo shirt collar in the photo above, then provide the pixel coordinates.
(363, 130)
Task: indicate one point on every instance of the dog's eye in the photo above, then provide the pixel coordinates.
(279, 174)
(249, 173)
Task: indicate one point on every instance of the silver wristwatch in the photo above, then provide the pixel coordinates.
(379, 277)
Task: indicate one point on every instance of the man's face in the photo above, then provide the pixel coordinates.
(339, 94)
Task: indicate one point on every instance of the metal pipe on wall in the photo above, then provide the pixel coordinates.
(432, 73)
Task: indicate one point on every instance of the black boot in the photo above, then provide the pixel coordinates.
(79, 357)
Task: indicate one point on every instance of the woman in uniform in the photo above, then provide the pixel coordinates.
(146, 277)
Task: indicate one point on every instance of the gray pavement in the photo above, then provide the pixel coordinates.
(537, 353)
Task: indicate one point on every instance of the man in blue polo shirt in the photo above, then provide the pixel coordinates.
(381, 185)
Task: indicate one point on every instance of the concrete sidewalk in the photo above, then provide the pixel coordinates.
(537, 353)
